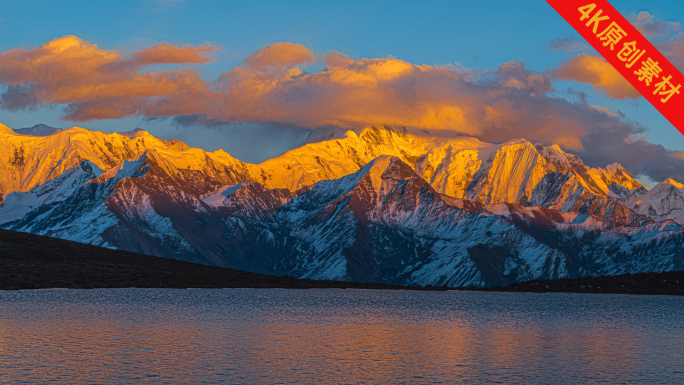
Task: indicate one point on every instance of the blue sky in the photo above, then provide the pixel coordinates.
(475, 34)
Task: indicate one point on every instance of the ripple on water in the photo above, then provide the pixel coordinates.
(337, 336)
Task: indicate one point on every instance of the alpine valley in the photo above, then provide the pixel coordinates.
(377, 205)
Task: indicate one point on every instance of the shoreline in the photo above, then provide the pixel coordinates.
(666, 283)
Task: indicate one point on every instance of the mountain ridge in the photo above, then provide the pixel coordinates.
(313, 161)
(383, 205)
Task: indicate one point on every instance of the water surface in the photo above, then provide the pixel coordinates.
(337, 336)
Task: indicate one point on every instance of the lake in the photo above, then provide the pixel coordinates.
(252, 336)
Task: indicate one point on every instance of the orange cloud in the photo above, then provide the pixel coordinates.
(347, 93)
(67, 58)
(594, 70)
(165, 53)
(279, 55)
(97, 83)
(272, 87)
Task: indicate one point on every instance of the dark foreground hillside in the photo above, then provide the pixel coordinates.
(29, 261)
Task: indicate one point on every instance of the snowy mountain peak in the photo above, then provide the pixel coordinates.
(177, 145)
(126, 169)
(558, 158)
(376, 169)
(369, 206)
(6, 130)
(664, 201)
(248, 199)
(509, 175)
(457, 166)
(670, 181)
(139, 166)
(18, 204)
(615, 168)
(77, 130)
(379, 171)
(347, 152)
(91, 168)
(616, 181)
(328, 133)
(372, 181)
(136, 133)
(33, 160)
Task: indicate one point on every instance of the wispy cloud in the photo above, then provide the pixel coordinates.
(666, 36)
(567, 44)
(164, 53)
(650, 27)
(593, 69)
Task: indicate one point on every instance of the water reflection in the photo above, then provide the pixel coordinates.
(337, 336)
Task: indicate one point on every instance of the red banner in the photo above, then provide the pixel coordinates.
(619, 42)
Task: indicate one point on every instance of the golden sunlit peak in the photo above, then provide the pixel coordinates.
(77, 130)
(673, 182)
(5, 130)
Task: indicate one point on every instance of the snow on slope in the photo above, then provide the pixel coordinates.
(34, 160)
(664, 201)
(222, 194)
(461, 167)
(457, 166)
(382, 223)
(248, 199)
(131, 206)
(509, 175)
(381, 205)
(331, 159)
(17, 204)
(517, 168)
(386, 223)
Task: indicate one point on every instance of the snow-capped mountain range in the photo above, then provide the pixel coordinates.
(380, 205)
